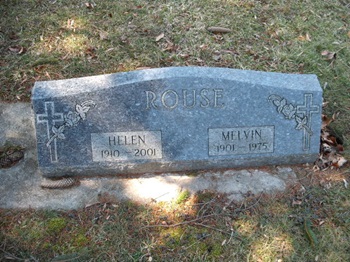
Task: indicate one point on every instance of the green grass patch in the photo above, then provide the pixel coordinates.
(262, 228)
(182, 197)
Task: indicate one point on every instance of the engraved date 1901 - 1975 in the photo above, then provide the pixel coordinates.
(241, 140)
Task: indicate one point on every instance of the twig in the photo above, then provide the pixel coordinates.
(219, 230)
(205, 204)
(251, 206)
(181, 223)
(10, 256)
(92, 204)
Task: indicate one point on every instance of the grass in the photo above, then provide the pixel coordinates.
(43, 40)
(205, 227)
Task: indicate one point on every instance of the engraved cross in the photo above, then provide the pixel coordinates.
(307, 109)
(50, 118)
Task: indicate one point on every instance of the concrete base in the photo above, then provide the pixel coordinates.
(20, 184)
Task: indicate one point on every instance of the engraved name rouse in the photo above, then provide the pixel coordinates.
(241, 140)
(110, 147)
(186, 98)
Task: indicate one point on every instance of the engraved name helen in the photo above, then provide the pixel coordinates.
(126, 146)
(241, 140)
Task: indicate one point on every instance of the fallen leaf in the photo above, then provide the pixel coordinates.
(90, 52)
(13, 36)
(308, 38)
(203, 47)
(18, 49)
(159, 37)
(169, 46)
(218, 29)
(296, 202)
(345, 183)
(321, 222)
(326, 121)
(143, 67)
(329, 55)
(338, 161)
(184, 56)
(70, 23)
(89, 5)
(110, 49)
(305, 37)
(217, 57)
(103, 35)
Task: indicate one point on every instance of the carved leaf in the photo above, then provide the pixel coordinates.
(88, 103)
(274, 97)
(55, 130)
(59, 132)
(301, 122)
(81, 111)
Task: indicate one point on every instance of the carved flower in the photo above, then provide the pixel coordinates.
(71, 119)
(289, 111)
(280, 105)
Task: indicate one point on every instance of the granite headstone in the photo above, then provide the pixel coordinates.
(175, 119)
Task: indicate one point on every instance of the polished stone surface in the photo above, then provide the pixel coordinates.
(175, 119)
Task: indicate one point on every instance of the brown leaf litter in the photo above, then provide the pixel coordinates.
(331, 147)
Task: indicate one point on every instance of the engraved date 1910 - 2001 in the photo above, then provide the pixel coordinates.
(109, 147)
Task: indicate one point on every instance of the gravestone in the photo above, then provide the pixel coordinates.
(175, 119)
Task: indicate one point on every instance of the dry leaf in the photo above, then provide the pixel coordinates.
(321, 222)
(109, 49)
(13, 36)
(169, 46)
(308, 38)
(159, 37)
(329, 55)
(143, 67)
(339, 161)
(89, 5)
(296, 202)
(217, 57)
(326, 121)
(218, 29)
(70, 23)
(103, 35)
(90, 52)
(184, 56)
(18, 49)
(305, 37)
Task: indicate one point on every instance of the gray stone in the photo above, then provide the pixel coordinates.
(175, 119)
(20, 184)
